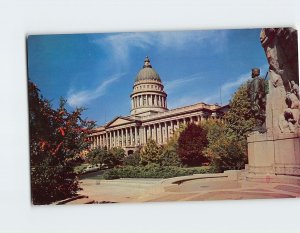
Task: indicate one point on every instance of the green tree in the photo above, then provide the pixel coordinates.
(151, 153)
(226, 153)
(99, 156)
(240, 119)
(133, 160)
(117, 155)
(191, 143)
(57, 140)
(227, 148)
(106, 158)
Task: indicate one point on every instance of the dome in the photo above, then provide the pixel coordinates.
(147, 72)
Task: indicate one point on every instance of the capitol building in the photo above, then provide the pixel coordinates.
(150, 117)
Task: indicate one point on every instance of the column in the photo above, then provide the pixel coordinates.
(106, 137)
(160, 134)
(155, 100)
(110, 139)
(126, 137)
(145, 135)
(114, 138)
(118, 137)
(150, 132)
(167, 131)
(184, 121)
(122, 138)
(172, 127)
(96, 141)
(135, 136)
(131, 136)
(155, 132)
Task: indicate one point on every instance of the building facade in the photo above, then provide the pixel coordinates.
(150, 117)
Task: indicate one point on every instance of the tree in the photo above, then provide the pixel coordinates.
(106, 158)
(99, 156)
(191, 143)
(151, 153)
(57, 140)
(227, 148)
(117, 155)
(132, 160)
(226, 153)
(240, 119)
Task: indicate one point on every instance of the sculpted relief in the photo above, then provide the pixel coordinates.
(281, 48)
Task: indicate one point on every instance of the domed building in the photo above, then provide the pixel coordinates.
(150, 117)
(148, 94)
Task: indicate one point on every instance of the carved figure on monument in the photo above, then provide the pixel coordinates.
(295, 88)
(257, 91)
(281, 48)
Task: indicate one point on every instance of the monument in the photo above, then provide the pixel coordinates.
(258, 91)
(275, 153)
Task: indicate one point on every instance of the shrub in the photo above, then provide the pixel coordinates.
(116, 155)
(106, 158)
(227, 154)
(57, 140)
(151, 153)
(170, 157)
(191, 143)
(132, 160)
(152, 171)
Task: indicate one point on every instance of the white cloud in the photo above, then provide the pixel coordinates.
(79, 98)
(121, 44)
(227, 89)
(178, 83)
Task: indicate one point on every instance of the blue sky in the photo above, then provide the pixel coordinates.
(97, 71)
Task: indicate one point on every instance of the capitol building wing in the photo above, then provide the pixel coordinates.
(150, 117)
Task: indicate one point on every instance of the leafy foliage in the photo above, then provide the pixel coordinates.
(58, 139)
(227, 148)
(152, 171)
(226, 153)
(151, 153)
(191, 143)
(106, 158)
(240, 119)
(132, 160)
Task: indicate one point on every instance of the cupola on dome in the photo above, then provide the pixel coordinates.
(147, 72)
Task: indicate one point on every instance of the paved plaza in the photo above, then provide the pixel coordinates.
(190, 188)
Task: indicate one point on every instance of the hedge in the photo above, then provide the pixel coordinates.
(152, 171)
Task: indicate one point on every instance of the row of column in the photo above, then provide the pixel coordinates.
(134, 136)
(161, 132)
(117, 138)
(148, 100)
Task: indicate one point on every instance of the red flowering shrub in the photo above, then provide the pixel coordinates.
(57, 140)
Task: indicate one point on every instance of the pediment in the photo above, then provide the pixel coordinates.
(119, 121)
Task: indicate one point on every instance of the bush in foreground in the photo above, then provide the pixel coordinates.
(152, 171)
(132, 160)
(57, 140)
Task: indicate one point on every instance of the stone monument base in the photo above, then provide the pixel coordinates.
(273, 156)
